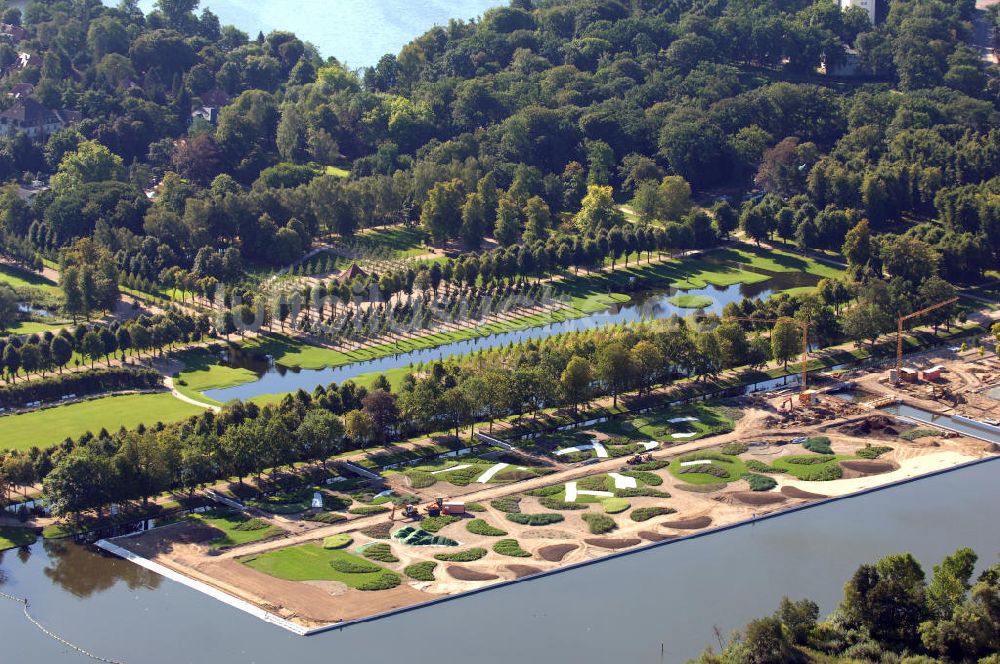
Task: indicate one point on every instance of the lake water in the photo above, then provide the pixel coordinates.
(356, 32)
(616, 610)
(648, 305)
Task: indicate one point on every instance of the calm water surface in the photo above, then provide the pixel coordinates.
(356, 32)
(618, 610)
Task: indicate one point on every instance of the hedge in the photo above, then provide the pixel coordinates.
(354, 566)
(546, 491)
(656, 464)
(647, 513)
(599, 523)
(379, 551)
(326, 517)
(641, 492)
(761, 467)
(760, 482)
(423, 571)
(553, 503)
(735, 449)
(644, 477)
(368, 510)
(432, 524)
(252, 524)
(82, 383)
(914, 434)
(421, 480)
(480, 527)
(510, 547)
(873, 452)
(466, 556)
(507, 504)
(546, 519)
(384, 581)
(818, 444)
(475, 507)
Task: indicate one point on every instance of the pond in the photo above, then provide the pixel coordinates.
(617, 610)
(274, 378)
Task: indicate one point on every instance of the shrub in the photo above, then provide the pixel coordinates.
(346, 566)
(656, 464)
(421, 480)
(644, 477)
(383, 581)
(553, 503)
(599, 523)
(702, 488)
(94, 381)
(341, 541)
(480, 527)
(818, 444)
(641, 492)
(379, 551)
(475, 507)
(826, 473)
(368, 510)
(466, 556)
(545, 491)
(647, 513)
(423, 571)
(809, 460)
(326, 517)
(761, 467)
(760, 482)
(378, 531)
(507, 504)
(873, 452)
(418, 537)
(914, 434)
(432, 524)
(703, 469)
(706, 456)
(510, 547)
(252, 524)
(735, 449)
(594, 483)
(614, 505)
(546, 519)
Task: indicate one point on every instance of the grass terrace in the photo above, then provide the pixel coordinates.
(311, 562)
(236, 528)
(49, 427)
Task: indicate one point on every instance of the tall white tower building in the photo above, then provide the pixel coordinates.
(867, 5)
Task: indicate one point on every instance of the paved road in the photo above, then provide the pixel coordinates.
(983, 31)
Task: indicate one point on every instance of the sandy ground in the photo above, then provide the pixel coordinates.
(182, 547)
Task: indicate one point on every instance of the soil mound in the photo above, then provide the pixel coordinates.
(795, 492)
(864, 468)
(650, 536)
(523, 570)
(613, 543)
(466, 574)
(554, 553)
(691, 523)
(757, 498)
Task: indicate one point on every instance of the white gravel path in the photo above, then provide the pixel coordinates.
(488, 475)
(622, 481)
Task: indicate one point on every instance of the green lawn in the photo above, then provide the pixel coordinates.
(46, 428)
(202, 371)
(236, 528)
(38, 327)
(336, 171)
(776, 260)
(733, 467)
(655, 425)
(826, 470)
(19, 278)
(12, 537)
(691, 301)
(310, 562)
(401, 241)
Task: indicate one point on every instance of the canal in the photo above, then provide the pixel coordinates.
(617, 610)
(274, 378)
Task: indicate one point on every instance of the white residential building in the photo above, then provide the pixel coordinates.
(867, 5)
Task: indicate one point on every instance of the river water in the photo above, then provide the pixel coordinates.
(356, 32)
(616, 610)
(647, 305)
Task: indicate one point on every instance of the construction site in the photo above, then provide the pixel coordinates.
(496, 515)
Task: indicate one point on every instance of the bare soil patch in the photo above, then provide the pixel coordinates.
(554, 553)
(335, 588)
(613, 543)
(466, 574)
(650, 536)
(523, 570)
(691, 523)
(757, 498)
(795, 492)
(163, 540)
(864, 468)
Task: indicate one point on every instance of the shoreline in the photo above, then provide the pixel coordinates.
(301, 630)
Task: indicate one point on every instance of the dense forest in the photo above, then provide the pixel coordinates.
(523, 127)
(891, 613)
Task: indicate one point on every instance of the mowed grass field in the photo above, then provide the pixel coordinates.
(19, 278)
(51, 426)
